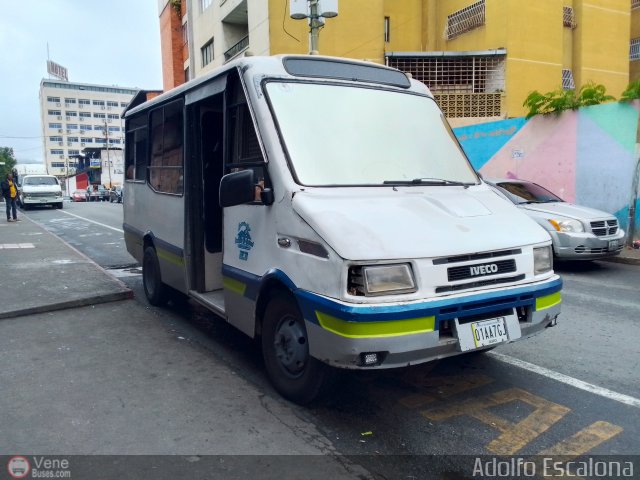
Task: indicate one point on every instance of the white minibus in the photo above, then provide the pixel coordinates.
(323, 206)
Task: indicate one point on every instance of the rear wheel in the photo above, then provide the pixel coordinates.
(157, 293)
(294, 373)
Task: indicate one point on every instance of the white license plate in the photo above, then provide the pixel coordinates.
(613, 245)
(489, 332)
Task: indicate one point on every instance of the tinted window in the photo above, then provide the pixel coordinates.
(526, 192)
(166, 164)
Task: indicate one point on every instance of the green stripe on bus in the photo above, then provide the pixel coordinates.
(234, 286)
(548, 301)
(170, 257)
(388, 328)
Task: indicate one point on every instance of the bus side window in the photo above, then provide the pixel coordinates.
(136, 148)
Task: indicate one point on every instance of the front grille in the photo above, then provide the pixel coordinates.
(455, 274)
(602, 228)
(481, 283)
(581, 249)
(41, 194)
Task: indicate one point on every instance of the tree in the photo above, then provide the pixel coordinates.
(560, 100)
(6, 157)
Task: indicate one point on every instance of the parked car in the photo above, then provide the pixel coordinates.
(115, 194)
(97, 194)
(78, 196)
(39, 190)
(577, 232)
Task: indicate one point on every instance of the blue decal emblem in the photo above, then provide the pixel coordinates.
(243, 240)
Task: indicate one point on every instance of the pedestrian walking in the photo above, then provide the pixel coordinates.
(10, 194)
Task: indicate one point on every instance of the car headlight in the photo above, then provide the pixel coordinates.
(567, 225)
(58, 194)
(542, 260)
(381, 280)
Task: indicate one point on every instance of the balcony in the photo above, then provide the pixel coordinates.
(237, 49)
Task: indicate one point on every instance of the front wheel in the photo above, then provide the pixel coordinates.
(294, 373)
(155, 291)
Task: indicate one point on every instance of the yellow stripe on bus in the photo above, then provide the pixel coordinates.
(234, 286)
(548, 301)
(387, 328)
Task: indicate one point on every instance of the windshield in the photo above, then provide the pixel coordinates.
(342, 135)
(40, 181)
(525, 192)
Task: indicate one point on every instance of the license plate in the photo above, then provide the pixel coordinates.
(613, 245)
(489, 332)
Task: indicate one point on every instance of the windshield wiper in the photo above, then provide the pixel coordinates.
(427, 181)
(526, 202)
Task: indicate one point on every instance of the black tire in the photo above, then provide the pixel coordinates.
(58, 206)
(110, 199)
(295, 374)
(24, 206)
(157, 293)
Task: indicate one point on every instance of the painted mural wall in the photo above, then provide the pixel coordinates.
(587, 156)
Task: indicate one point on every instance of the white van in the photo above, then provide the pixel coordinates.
(40, 190)
(324, 206)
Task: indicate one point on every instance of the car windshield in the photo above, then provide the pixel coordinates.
(343, 135)
(527, 192)
(40, 181)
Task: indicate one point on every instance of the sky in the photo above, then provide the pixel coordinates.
(108, 42)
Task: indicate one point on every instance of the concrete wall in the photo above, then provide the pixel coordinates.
(586, 156)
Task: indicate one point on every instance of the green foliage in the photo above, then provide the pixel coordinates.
(561, 100)
(6, 157)
(632, 92)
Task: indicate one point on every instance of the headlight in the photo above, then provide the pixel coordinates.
(388, 279)
(567, 225)
(542, 260)
(58, 194)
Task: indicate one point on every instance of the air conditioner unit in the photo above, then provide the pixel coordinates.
(81, 105)
(69, 131)
(103, 107)
(58, 104)
(59, 130)
(82, 144)
(82, 119)
(108, 108)
(59, 117)
(109, 120)
(68, 118)
(60, 143)
(69, 143)
(61, 156)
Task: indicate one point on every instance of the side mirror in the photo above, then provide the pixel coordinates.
(237, 188)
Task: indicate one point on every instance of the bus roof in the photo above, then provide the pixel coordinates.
(293, 66)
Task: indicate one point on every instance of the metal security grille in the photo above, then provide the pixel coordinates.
(567, 80)
(569, 17)
(464, 86)
(464, 20)
(634, 49)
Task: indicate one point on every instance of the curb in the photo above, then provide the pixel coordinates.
(82, 302)
(625, 260)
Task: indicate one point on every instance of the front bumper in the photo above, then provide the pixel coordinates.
(339, 334)
(50, 199)
(586, 246)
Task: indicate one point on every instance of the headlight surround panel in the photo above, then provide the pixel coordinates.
(542, 260)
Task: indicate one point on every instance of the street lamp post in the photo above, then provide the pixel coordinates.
(316, 11)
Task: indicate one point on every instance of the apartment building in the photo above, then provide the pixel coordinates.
(75, 116)
(481, 58)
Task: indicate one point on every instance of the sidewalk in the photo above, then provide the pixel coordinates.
(41, 273)
(630, 256)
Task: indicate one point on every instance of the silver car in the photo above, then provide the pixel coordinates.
(578, 233)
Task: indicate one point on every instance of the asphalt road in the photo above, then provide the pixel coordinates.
(572, 390)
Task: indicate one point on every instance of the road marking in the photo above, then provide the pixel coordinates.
(585, 440)
(574, 382)
(513, 436)
(16, 245)
(92, 221)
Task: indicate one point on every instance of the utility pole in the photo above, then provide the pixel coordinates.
(315, 23)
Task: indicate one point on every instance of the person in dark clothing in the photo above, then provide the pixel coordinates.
(10, 194)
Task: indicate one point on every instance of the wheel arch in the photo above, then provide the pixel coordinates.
(275, 282)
